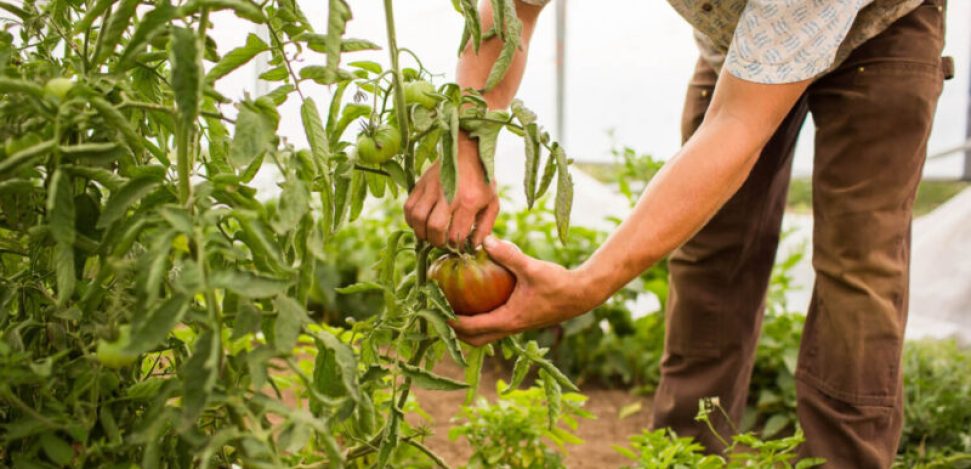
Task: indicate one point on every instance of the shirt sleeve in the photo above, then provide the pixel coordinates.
(785, 41)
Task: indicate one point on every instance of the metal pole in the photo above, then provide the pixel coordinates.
(561, 71)
(967, 133)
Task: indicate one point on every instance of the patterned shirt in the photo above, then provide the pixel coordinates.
(784, 41)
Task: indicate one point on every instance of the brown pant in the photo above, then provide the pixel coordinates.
(873, 115)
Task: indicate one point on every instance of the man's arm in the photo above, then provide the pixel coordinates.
(711, 167)
(476, 203)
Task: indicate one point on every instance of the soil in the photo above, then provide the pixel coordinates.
(599, 435)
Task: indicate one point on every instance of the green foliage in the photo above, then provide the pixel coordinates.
(514, 432)
(153, 309)
(663, 448)
(937, 418)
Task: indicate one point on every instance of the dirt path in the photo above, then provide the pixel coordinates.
(598, 434)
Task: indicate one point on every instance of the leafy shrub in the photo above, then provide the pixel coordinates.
(515, 431)
(153, 309)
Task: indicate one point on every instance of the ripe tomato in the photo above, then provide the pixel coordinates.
(472, 283)
(378, 145)
(420, 92)
(114, 354)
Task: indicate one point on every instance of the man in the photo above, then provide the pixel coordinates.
(870, 72)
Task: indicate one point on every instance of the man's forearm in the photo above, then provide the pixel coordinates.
(691, 188)
(473, 69)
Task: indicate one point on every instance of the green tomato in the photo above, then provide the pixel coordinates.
(58, 87)
(378, 146)
(421, 93)
(115, 354)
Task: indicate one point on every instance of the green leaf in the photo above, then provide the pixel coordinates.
(92, 13)
(358, 192)
(351, 113)
(511, 33)
(554, 396)
(533, 156)
(254, 135)
(289, 321)
(390, 440)
(446, 333)
(774, 425)
(101, 152)
(247, 284)
(147, 28)
(152, 329)
(133, 191)
(186, 75)
(294, 204)
(548, 172)
(242, 8)
(449, 164)
(60, 208)
(356, 45)
(519, 371)
(522, 114)
(12, 85)
(13, 162)
(237, 57)
(339, 13)
(427, 380)
(564, 193)
(323, 75)
(335, 358)
(57, 449)
(111, 33)
(487, 133)
(115, 119)
(66, 275)
(473, 372)
(313, 127)
(360, 287)
(199, 378)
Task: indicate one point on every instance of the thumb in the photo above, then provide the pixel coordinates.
(507, 254)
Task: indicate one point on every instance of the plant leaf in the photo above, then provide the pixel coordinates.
(290, 318)
(150, 330)
(427, 380)
(133, 191)
(237, 57)
(564, 193)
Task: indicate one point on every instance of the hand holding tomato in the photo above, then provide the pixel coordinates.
(545, 294)
(472, 212)
(472, 283)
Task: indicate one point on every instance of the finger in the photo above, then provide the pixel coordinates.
(481, 340)
(412, 203)
(421, 213)
(481, 324)
(458, 232)
(507, 254)
(484, 222)
(436, 228)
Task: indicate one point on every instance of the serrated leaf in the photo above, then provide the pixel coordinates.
(449, 164)
(358, 192)
(254, 135)
(564, 194)
(133, 191)
(64, 267)
(519, 371)
(427, 380)
(473, 372)
(290, 318)
(360, 287)
(238, 57)
(111, 33)
(313, 127)
(548, 172)
(147, 28)
(335, 359)
(60, 208)
(487, 134)
(199, 377)
(248, 285)
(339, 13)
(186, 75)
(152, 329)
(446, 333)
(511, 31)
(554, 396)
(532, 163)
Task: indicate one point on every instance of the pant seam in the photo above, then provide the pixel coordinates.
(872, 400)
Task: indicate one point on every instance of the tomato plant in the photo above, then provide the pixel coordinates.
(472, 283)
(153, 309)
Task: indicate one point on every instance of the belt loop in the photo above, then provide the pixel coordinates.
(947, 66)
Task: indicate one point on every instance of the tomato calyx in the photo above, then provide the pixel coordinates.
(472, 282)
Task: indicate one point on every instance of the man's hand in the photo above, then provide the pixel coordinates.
(474, 207)
(545, 294)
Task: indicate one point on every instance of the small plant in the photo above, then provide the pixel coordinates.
(514, 431)
(662, 448)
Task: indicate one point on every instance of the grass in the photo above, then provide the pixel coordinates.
(930, 194)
